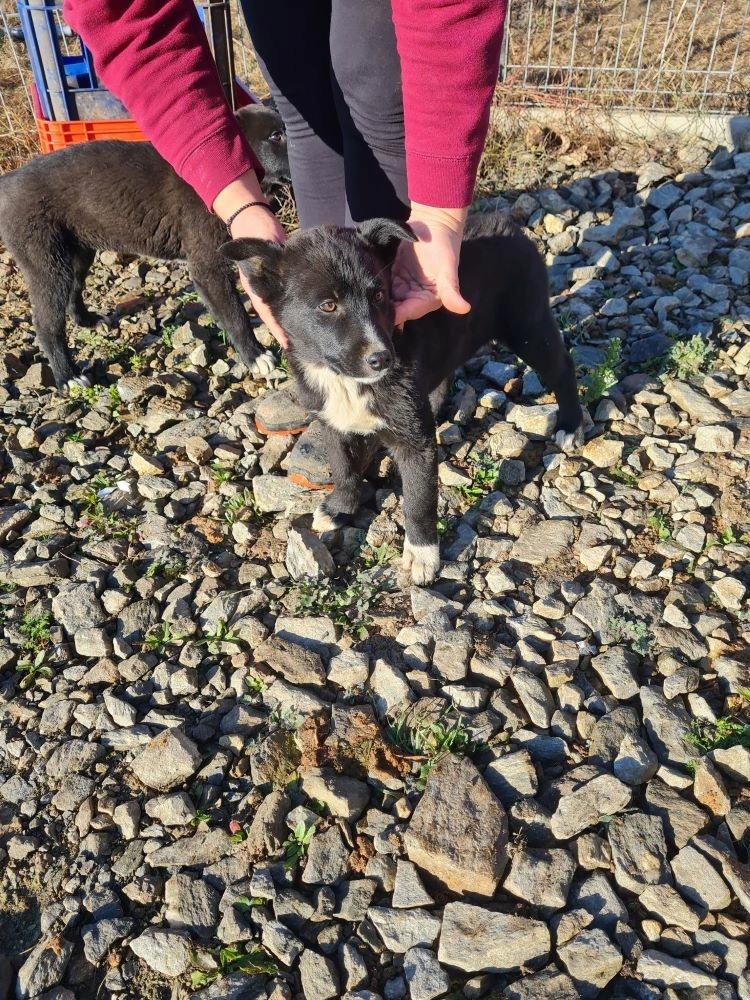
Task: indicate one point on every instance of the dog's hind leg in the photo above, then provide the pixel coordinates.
(214, 281)
(542, 347)
(49, 283)
(438, 396)
(77, 309)
(349, 456)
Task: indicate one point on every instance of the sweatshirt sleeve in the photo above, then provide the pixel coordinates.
(450, 59)
(154, 56)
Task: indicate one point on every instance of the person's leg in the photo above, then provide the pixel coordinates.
(291, 40)
(367, 88)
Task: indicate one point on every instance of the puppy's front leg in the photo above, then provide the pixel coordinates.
(418, 468)
(348, 455)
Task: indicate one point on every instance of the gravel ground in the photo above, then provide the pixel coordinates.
(224, 774)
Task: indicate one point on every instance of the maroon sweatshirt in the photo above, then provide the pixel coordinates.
(154, 56)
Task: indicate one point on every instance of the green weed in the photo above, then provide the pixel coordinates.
(167, 332)
(88, 394)
(246, 903)
(36, 629)
(161, 637)
(347, 604)
(633, 631)
(379, 555)
(603, 376)
(728, 537)
(220, 474)
(255, 684)
(485, 474)
(242, 507)
(623, 475)
(213, 640)
(661, 524)
(687, 358)
(74, 437)
(170, 568)
(295, 846)
(726, 732)
(33, 668)
(231, 959)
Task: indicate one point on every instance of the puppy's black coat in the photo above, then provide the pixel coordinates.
(57, 210)
(330, 289)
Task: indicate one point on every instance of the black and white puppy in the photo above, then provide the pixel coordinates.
(330, 290)
(59, 209)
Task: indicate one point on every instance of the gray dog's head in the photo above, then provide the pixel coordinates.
(264, 130)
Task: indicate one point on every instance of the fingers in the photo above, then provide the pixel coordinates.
(414, 308)
(451, 297)
(266, 316)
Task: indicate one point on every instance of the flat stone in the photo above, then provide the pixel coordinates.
(423, 974)
(639, 851)
(512, 777)
(663, 970)
(166, 761)
(710, 790)
(354, 899)
(682, 818)
(666, 903)
(667, 725)
(592, 961)
(459, 831)
(695, 403)
(320, 978)
(342, 795)
(295, 663)
(535, 697)
(405, 929)
(176, 809)
(74, 757)
(192, 905)
(596, 896)
(477, 940)
(307, 558)
(734, 762)
(715, 440)
(618, 668)
(273, 493)
(99, 937)
(635, 762)
(408, 891)
(602, 796)
(281, 942)
(327, 858)
(203, 848)
(77, 607)
(543, 542)
(541, 877)
(167, 952)
(44, 967)
(549, 984)
(603, 452)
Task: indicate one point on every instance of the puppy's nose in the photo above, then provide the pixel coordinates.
(379, 360)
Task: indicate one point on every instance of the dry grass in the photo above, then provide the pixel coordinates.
(652, 54)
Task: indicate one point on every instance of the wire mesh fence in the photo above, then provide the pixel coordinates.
(666, 55)
(669, 55)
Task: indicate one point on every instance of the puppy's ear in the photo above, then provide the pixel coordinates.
(384, 235)
(259, 261)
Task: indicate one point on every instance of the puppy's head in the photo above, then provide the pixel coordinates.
(330, 290)
(264, 130)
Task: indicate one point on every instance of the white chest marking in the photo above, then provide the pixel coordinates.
(346, 407)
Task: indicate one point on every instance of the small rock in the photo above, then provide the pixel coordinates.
(635, 762)
(602, 796)
(342, 795)
(408, 891)
(709, 789)
(541, 877)
(168, 760)
(543, 542)
(167, 952)
(424, 976)
(307, 557)
(44, 967)
(320, 979)
(477, 940)
(639, 851)
(327, 858)
(666, 904)
(665, 970)
(405, 929)
(698, 881)
(592, 961)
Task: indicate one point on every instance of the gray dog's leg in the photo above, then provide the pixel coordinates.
(77, 309)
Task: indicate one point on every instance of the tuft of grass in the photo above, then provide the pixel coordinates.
(242, 507)
(88, 394)
(728, 537)
(170, 568)
(95, 517)
(597, 380)
(687, 358)
(33, 668)
(213, 640)
(633, 631)
(379, 555)
(219, 473)
(430, 738)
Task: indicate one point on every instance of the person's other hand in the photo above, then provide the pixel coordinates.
(425, 273)
(257, 223)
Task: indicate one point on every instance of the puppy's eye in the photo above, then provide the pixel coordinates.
(379, 295)
(276, 137)
(329, 306)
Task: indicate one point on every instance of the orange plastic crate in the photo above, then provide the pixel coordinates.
(58, 135)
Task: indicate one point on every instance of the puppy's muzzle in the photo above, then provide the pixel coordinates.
(379, 361)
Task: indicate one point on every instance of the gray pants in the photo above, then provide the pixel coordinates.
(334, 72)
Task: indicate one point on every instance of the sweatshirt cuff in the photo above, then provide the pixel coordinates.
(217, 161)
(441, 181)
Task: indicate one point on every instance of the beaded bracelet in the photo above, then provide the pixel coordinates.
(249, 204)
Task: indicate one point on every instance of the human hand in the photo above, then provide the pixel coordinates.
(258, 223)
(425, 273)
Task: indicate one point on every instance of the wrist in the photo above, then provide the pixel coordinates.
(452, 218)
(244, 189)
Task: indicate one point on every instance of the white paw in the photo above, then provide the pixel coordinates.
(264, 364)
(422, 561)
(322, 520)
(80, 380)
(570, 441)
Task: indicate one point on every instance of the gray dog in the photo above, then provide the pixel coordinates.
(59, 209)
